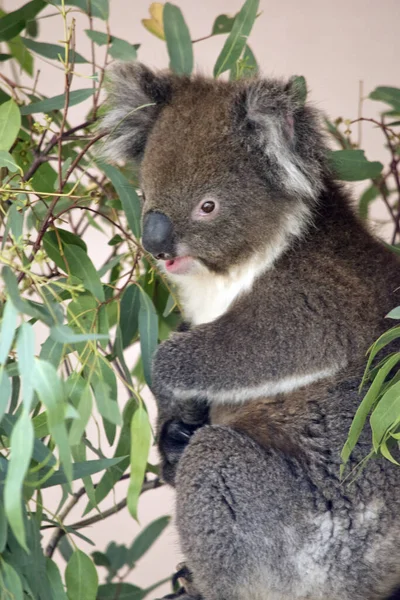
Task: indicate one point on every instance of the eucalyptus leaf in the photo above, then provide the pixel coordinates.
(57, 102)
(22, 438)
(351, 165)
(81, 577)
(6, 160)
(178, 40)
(237, 38)
(52, 51)
(148, 330)
(146, 539)
(10, 124)
(52, 394)
(140, 448)
(7, 330)
(128, 196)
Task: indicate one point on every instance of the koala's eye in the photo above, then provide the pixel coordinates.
(206, 210)
(208, 207)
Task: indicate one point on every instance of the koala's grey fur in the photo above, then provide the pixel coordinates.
(261, 511)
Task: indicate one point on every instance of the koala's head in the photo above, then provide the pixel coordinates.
(227, 169)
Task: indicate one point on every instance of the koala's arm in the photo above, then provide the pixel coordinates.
(252, 352)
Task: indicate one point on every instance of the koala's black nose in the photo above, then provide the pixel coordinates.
(158, 234)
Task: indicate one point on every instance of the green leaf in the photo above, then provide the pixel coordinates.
(5, 391)
(56, 584)
(16, 222)
(351, 165)
(13, 23)
(10, 27)
(140, 448)
(146, 539)
(178, 40)
(386, 414)
(3, 527)
(365, 408)
(80, 265)
(390, 95)
(22, 438)
(80, 470)
(52, 51)
(7, 330)
(26, 362)
(129, 314)
(81, 577)
(85, 410)
(21, 55)
(394, 314)
(106, 406)
(12, 585)
(123, 448)
(299, 85)
(51, 393)
(237, 39)
(223, 24)
(44, 179)
(128, 196)
(122, 591)
(367, 197)
(122, 50)
(10, 124)
(4, 57)
(98, 37)
(52, 352)
(6, 160)
(148, 330)
(57, 102)
(65, 335)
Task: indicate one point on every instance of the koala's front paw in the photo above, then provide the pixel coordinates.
(173, 439)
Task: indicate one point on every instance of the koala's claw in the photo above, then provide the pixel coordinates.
(183, 577)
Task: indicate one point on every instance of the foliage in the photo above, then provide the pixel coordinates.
(71, 403)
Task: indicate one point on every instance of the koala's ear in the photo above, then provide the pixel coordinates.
(288, 134)
(136, 96)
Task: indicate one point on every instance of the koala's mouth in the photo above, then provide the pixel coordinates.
(181, 265)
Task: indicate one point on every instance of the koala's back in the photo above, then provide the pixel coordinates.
(278, 516)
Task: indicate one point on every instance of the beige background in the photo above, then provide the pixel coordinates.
(335, 45)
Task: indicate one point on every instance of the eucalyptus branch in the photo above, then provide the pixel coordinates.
(61, 531)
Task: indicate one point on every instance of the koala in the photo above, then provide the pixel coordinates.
(283, 290)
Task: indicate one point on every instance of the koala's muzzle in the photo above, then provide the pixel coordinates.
(158, 235)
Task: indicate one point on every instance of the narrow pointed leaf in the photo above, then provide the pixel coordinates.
(57, 102)
(81, 577)
(6, 160)
(148, 329)
(22, 439)
(55, 580)
(26, 360)
(146, 539)
(128, 196)
(51, 393)
(237, 39)
(7, 330)
(140, 448)
(10, 124)
(52, 51)
(351, 165)
(12, 583)
(178, 40)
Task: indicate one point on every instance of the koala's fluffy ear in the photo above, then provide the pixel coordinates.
(136, 96)
(287, 132)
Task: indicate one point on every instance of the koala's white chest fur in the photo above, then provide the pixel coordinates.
(205, 296)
